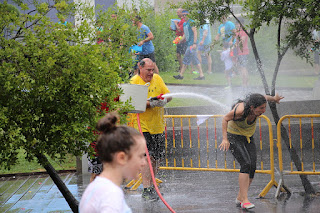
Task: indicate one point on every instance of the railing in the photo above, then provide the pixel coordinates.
(192, 144)
(304, 140)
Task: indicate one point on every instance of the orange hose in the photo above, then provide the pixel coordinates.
(151, 171)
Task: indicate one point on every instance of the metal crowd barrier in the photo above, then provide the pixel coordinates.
(305, 139)
(191, 143)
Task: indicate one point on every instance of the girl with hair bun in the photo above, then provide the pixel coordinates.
(122, 152)
(238, 127)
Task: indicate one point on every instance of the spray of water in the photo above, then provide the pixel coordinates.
(190, 94)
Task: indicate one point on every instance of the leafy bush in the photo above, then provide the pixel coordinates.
(50, 89)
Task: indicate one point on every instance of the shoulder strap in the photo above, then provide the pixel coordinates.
(234, 113)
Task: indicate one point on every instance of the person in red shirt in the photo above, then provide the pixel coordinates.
(181, 47)
(242, 52)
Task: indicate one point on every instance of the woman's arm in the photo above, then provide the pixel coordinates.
(225, 144)
(275, 98)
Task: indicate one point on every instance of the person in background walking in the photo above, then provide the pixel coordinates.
(316, 46)
(145, 38)
(226, 58)
(242, 52)
(204, 43)
(226, 31)
(181, 47)
(190, 35)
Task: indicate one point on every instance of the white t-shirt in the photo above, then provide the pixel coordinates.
(102, 195)
(226, 58)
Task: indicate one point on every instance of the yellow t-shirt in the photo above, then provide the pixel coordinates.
(242, 128)
(151, 120)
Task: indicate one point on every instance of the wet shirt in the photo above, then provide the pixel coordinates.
(243, 46)
(241, 127)
(207, 40)
(103, 196)
(147, 47)
(225, 30)
(187, 29)
(226, 58)
(151, 120)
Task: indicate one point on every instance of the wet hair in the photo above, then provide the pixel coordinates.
(114, 138)
(252, 99)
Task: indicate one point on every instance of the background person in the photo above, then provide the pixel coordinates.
(204, 43)
(181, 47)
(190, 56)
(152, 122)
(238, 127)
(242, 52)
(122, 151)
(226, 31)
(227, 59)
(316, 38)
(145, 38)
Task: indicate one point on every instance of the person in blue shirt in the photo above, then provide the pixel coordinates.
(63, 21)
(145, 38)
(190, 35)
(226, 31)
(204, 43)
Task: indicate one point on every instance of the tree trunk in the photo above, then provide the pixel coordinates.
(293, 154)
(258, 61)
(73, 203)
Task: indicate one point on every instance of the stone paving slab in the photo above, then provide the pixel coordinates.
(185, 191)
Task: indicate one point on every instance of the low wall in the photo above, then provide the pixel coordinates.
(284, 108)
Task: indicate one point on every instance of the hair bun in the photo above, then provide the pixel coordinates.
(107, 123)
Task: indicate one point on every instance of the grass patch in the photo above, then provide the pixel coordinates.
(218, 79)
(23, 166)
(177, 102)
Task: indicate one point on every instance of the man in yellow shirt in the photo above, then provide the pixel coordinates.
(151, 121)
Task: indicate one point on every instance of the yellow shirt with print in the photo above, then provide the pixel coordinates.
(151, 120)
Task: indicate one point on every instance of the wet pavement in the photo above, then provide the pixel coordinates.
(208, 192)
(184, 191)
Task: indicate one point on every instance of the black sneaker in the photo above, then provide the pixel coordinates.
(179, 77)
(200, 78)
(150, 194)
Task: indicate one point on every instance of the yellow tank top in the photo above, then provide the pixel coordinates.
(242, 128)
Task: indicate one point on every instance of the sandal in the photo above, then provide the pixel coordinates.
(247, 205)
(238, 203)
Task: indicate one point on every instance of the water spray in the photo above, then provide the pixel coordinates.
(190, 94)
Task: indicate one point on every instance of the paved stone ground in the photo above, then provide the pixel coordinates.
(185, 191)
(207, 192)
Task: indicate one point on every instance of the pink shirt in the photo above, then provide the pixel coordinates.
(242, 49)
